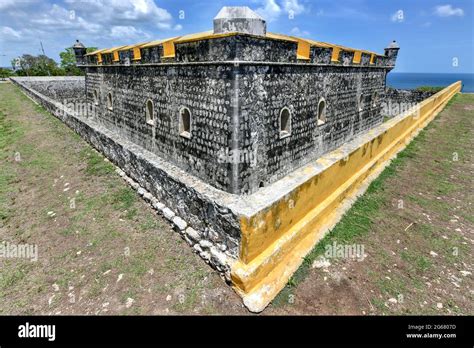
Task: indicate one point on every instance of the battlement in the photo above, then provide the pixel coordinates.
(232, 46)
(239, 34)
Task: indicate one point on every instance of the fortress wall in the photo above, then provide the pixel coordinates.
(205, 91)
(64, 89)
(400, 100)
(265, 90)
(239, 47)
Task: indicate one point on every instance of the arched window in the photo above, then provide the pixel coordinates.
(150, 112)
(185, 122)
(361, 103)
(96, 97)
(110, 101)
(321, 112)
(375, 99)
(285, 123)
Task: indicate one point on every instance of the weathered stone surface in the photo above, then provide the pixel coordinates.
(180, 223)
(193, 234)
(239, 19)
(168, 214)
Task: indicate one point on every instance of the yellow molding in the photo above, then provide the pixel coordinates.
(357, 57)
(372, 58)
(95, 52)
(159, 42)
(110, 50)
(168, 49)
(303, 48)
(335, 53)
(137, 53)
(275, 240)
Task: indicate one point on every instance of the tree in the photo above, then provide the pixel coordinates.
(68, 61)
(5, 73)
(38, 66)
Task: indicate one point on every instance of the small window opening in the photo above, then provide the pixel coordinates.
(361, 103)
(185, 123)
(285, 123)
(375, 100)
(321, 112)
(96, 97)
(149, 110)
(110, 102)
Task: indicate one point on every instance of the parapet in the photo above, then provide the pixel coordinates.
(240, 34)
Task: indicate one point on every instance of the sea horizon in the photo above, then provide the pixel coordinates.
(412, 80)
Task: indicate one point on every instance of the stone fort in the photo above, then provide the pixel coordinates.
(237, 107)
(252, 144)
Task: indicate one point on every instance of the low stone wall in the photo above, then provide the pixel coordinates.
(193, 207)
(397, 101)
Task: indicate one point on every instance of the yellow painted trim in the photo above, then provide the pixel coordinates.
(137, 53)
(304, 49)
(116, 56)
(275, 240)
(110, 50)
(283, 37)
(372, 59)
(335, 54)
(168, 49)
(99, 58)
(95, 52)
(357, 57)
(159, 42)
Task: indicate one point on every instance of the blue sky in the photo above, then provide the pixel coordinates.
(432, 34)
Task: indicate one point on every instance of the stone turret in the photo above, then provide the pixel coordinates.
(80, 52)
(239, 19)
(391, 52)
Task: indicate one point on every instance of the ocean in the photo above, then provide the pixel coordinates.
(413, 80)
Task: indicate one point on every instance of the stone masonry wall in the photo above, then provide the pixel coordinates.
(265, 90)
(397, 101)
(204, 90)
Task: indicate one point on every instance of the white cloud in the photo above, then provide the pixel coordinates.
(292, 6)
(7, 33)
(58, 18)
(4, 4)
(448, 11)
(298, 32)
(7, 4)
(122, 11)
(127, 32)
(271, 10)
(398, 17)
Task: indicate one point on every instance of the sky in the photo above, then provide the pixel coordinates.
(434, 36)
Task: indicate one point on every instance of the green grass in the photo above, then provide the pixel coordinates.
(416, 261)
(96, 165)
(434, 89)
(123, 199)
